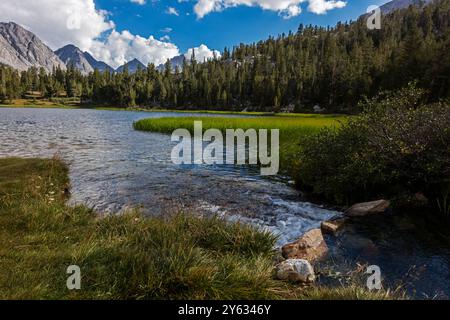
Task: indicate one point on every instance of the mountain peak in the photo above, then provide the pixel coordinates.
(402, 4)
(22, 49)
(83, 61)
(99, 65)
(175, 62)
(73, 56)
(69, 47)
(132, 66)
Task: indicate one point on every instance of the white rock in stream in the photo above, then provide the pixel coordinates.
(296, 270)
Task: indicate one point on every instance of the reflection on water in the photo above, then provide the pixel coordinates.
(412, 253)
(113, 167)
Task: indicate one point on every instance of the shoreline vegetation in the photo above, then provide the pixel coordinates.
(293, 129)
(47, 104)
(313, 68)
(397, 148)
(179, 256)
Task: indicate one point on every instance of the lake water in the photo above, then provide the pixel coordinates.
(113, 167)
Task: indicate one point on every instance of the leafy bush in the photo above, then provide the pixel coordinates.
(399, 144)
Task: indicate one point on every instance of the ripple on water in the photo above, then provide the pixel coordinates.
(113, 168)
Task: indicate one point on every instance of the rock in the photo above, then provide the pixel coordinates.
(296, 270)
(22, 49)
(310, 247)
(420, 199)
(366, 208)
(332, 226)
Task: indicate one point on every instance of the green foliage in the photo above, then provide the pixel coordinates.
(292, 128)
(129, 256)
(121, 257)
(331, 67)
(399, 144)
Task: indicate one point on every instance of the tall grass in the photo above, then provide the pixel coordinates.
(292, 129)
(129, 256)
(290, 125)
(121, 257)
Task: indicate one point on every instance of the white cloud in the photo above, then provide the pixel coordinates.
(121, 47)
(79, 22)
(140, 2)
(286, 8)
(291, 11)
(202, 53)
(322, 6)
(172, 11)
(58, 22)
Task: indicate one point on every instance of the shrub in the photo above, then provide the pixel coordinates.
(398, 144)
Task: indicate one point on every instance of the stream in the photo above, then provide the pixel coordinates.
(114, 168)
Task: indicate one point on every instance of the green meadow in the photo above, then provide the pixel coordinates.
(293, 128)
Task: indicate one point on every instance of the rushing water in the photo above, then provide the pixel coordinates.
(113, 167)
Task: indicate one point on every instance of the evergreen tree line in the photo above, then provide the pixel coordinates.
(330, 67)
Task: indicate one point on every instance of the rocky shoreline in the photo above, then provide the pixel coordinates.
(299, 258)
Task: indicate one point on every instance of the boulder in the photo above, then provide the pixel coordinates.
(332, 226)
(296, 270)
(420, 199)
(310, 247)
(367, 208)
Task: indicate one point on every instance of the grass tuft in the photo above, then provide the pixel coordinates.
(128, 256)
(121, 257)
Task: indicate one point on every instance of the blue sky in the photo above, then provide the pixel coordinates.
(117, 31)
(218, 29)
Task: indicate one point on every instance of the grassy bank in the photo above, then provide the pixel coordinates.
(36, 104)
(128, 256)
(293, 129)
(120, 257)
(41, 104)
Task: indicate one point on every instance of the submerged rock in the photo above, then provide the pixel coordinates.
(366, 208)
(360, 244)
(296, 270)
(310, 247)
(333, 226)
